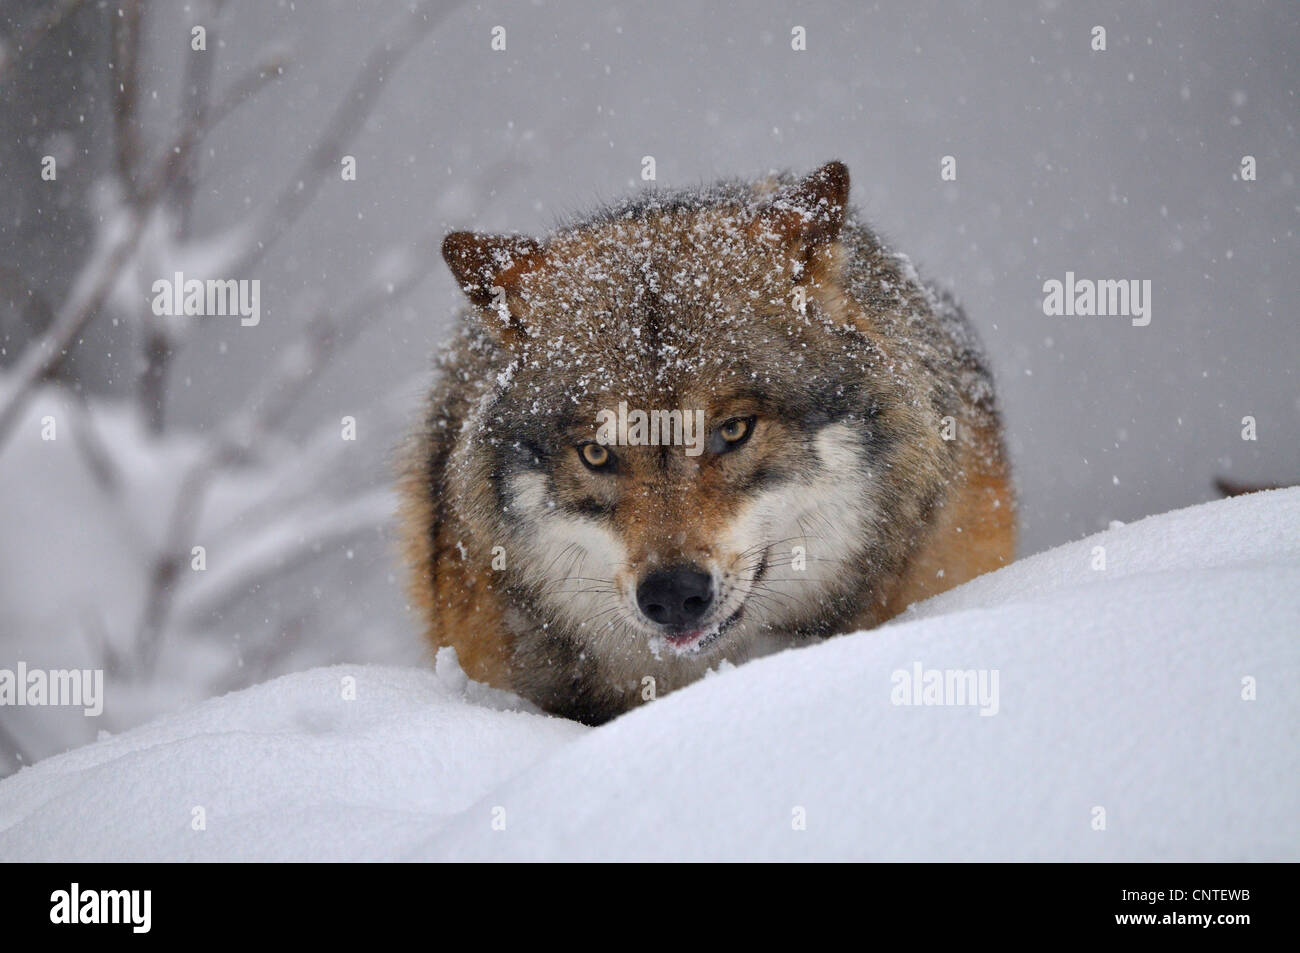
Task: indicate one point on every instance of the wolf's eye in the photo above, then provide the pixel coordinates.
(595, 456)
(735, 432)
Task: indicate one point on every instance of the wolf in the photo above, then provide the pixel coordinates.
(853, 458)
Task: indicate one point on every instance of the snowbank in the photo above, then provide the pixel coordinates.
(1124, 698)
(299, 566)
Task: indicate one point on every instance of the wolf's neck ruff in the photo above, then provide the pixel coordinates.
(848, 458)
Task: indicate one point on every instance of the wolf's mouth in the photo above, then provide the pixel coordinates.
(696, 640)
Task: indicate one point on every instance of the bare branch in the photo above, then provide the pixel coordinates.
(125, 70)
(196, 99)
(196, 93)
(281, 547)
(98, 459)
(95, 635)
(43, 358)
(322, 452)
(297, 369)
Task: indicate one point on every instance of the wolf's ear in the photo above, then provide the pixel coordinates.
(488, 269)
(486, 265)
(810, 213)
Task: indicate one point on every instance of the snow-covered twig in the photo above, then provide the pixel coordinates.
(101, 274)
(196, 105)
(239, 434)
(196, 101)
(43, 358)
(286, 545)
(99, 459)
(126, 28)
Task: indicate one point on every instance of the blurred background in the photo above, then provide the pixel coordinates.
(127, 439)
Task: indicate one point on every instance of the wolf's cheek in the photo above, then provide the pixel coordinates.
(839, 505)
(575, 558)
(528, 494)
(808, 529)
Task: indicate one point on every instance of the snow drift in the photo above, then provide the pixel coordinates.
(1145, 710)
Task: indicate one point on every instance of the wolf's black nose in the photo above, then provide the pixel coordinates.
(677, 597)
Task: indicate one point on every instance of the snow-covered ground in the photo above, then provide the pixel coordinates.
(1145, 710)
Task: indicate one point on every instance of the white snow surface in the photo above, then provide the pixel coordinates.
(1119, 689)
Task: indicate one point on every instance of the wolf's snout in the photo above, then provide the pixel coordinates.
(678, 597)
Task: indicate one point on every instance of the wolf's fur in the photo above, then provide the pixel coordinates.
(684, 301)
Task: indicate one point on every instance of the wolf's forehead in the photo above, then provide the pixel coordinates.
(595, 377)
(651, 306)
(665, 262)
(654, 353)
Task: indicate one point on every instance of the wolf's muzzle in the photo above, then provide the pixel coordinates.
(677, 598)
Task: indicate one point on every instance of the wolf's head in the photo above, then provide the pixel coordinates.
(691, 439)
